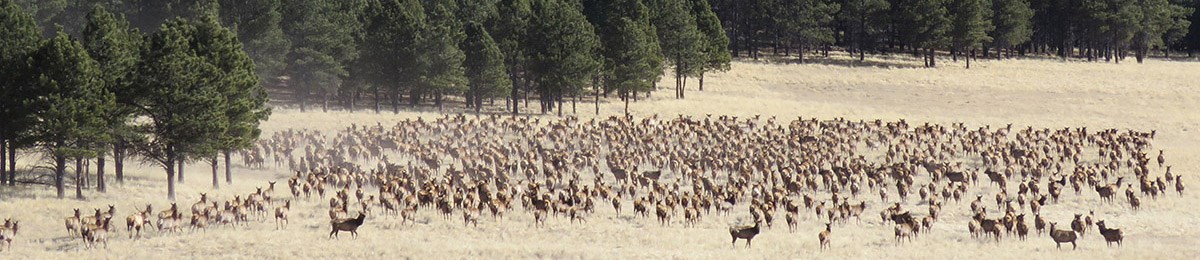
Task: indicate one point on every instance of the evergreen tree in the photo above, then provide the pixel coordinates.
(257, 23)
(968, 27)
(1191, 42)
(70, 107)
(922, 24)
(806, 23)
(1012, 22)
(510, 30)
(629, 59)
(244, 97)
(563, 58)
(19, 37)
(680, 40)
(148, 15)
(321, 33)
(476, 11)
(866, 24)
(179, 93)
(624, 28)
(484, 67)
(716, 42)
(440, 58)
(115, 46)
(1157, 19)
(390, 52)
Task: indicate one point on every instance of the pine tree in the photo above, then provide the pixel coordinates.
(1157, 19)
(148, 15)
(244, 97)
(680, 40)
(257, 23)
(390, 52)
(1012, 22)
(441, 60)
(866, 24)
(806, 23)
(563, 58)
(922, 24)
(19, 37)
(70, 107)
(968, 27)
(476, 11)
(484, 67)
(178, 93)
(716, 42)
(627, 39)
(115, 46)
(510, 30)
(629, 59)
(321, 33)
(1191, 42)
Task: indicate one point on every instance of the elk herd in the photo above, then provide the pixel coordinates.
(683, 170)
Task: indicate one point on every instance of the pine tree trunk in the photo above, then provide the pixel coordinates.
(216, 177)
(324, 102)
(800, 53)
(701, 80)
(300, 95)
(596, 88)
(170, 177)
(377, 100)
(528, 84)
(515, 109)
(353, 98)
(932, 58)
(626, 98)
(60, 172)
(100, 185)
(414, 97)
(682, 86)
(3, 160)
(82, 164)
(182, 163)
(228, 169)
(119, 160)
(79, 178)
(972, 53)
(12, 166)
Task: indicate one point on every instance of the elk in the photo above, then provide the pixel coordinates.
(135, 222)
(1110, 235)
(905, 231)
(73, 224)
(281, 214)
(1077, 225)
(744, 232)
(823, 237)
(1062, 236)
(97, 232)
(347, 224)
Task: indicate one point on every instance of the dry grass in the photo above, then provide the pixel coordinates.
(1159, 95)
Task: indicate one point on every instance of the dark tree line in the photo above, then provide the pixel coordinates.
(395, 53)
(187, 92)
(1093, 29)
